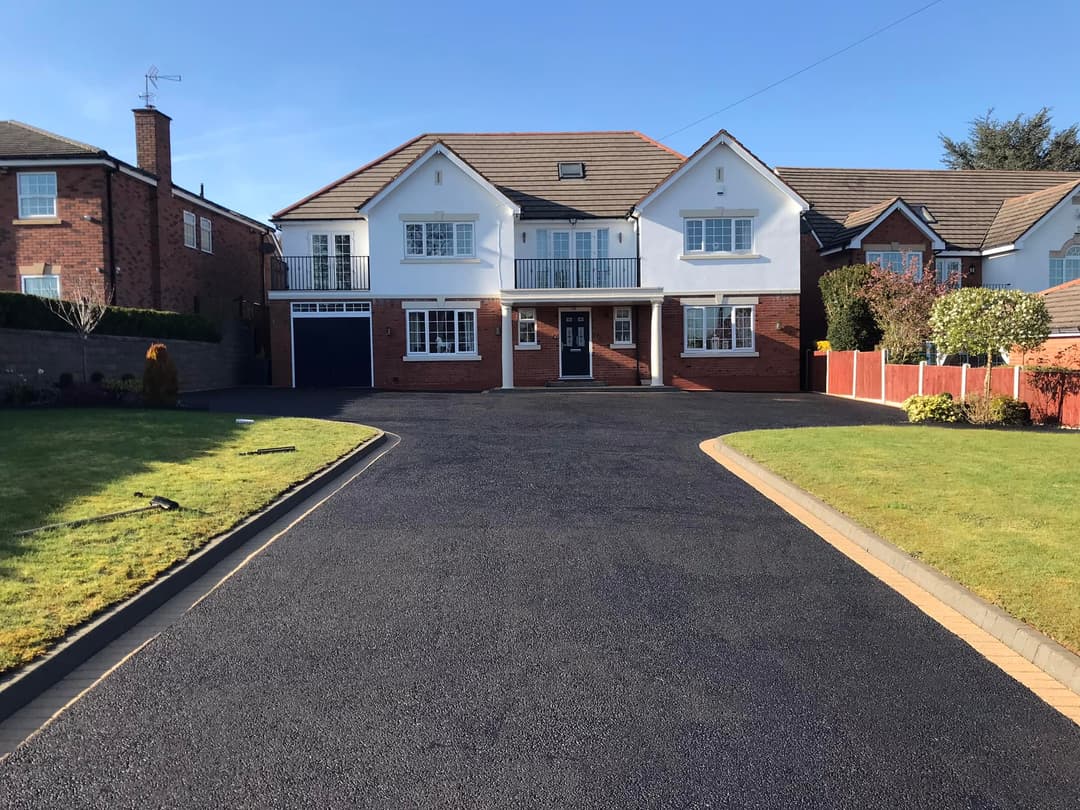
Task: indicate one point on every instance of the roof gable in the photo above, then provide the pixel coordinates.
(1018, 215)
(620, 167)
(438, 148)
(722, 138)
(860, 224)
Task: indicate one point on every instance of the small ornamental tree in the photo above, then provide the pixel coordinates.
(901, 304)
(985, 322)
(82, 309)
(850, 323)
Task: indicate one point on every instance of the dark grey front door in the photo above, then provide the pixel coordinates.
(574, 329)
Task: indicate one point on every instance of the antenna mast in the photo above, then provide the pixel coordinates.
(152, 78)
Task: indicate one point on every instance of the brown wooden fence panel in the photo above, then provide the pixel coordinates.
(942, 380)
(901, 382)
(841, 369)
(868, 376)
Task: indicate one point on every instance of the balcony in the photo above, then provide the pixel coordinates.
(334, 273)
(576, 274)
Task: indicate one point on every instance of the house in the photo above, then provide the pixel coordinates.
(473, 261)
(1008, 229)
(76, 220)
(1063, 346)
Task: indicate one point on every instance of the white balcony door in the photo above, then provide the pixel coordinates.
(330, 261)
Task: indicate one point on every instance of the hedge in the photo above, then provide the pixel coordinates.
(18, 311)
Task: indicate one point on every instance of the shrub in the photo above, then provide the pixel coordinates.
(160, 382)
(97, 377)
(933, 408)
(998, 410)
(18, 311)
(67, 379)
(850, 323)
(823, 346)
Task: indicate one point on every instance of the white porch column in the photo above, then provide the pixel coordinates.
(507, 347)
(656, 362)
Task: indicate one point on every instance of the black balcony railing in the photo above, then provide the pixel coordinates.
(320, 273)
(575, 274)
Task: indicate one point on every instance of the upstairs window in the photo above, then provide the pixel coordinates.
(206, 235)
(571, 171)
(439, 239)
(899, 261)
(189, 230)
(721, 235)
(37, 194)
(1065, 269)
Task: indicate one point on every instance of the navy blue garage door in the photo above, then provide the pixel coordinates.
(332, 352)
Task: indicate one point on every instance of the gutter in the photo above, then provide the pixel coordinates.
(109, 172)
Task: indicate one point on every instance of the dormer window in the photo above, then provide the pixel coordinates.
(571, 171)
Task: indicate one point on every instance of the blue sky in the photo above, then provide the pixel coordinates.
(278, 99)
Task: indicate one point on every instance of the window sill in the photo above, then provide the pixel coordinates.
(439, 358)
(38, 221)
(527, 347)
(191, 247)
(622, 346)
(691, 257)
(208, 252)
(441, 260)
(720, 353)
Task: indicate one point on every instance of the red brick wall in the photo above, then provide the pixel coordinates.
(812, 324)
(133, 225)
(280, 343)
(776, 368)
(75, 244)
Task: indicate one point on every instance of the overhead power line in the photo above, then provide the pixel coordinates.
(803, 70)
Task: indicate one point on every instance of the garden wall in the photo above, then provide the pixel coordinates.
(201, 365)
(862, 375)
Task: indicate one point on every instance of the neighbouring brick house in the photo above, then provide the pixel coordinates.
(73, 217)
(1063, 346)
(1007, 229)
(470, 261)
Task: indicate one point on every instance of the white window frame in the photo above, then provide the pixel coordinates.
(206, 235)
(702, 226)
(942, 271)
(455, 247)
(527, 316)
(710, 351)
(25, 198)
(191, 222)
(445, 355)
(1066, 268)
(22, 285)
(628, 319)
(905, 260)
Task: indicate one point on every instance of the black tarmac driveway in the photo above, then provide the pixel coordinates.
(552, 599)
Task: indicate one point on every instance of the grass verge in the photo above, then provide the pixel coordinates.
(63, 465)
(996, 510)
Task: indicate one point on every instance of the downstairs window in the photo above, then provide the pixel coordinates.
(441, 332)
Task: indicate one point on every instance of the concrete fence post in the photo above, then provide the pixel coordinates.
(855, 373)
(828, 354)
(1016, 382)
(884, 361)
(963, 381)
(922, 373)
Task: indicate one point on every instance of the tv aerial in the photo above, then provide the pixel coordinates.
(152, 78)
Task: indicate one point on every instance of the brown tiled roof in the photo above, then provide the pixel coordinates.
(1017, 214)
(620, 168)
(964, 204)
(19, 140)
(1063, 303)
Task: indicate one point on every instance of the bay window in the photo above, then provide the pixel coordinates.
(441, 332)
(439, 239)
(718, 329)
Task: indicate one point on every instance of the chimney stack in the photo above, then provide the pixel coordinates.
(152, 146)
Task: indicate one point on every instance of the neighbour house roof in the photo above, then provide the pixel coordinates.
(1063, 303)
(620, 168)
(971, 209)
(19, 140)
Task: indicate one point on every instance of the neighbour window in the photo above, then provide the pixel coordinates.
(623, 327)
(719, 329)
(724, 235)
(37, 194)
(1065, 269)
(441, 331)
(947, 269)
(41, 286)
(526, 327)
(206, 235)
(189, 230)
(433, 239)
(896, 260)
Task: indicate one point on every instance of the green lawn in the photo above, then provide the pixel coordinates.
(998, 510)
(61, 465)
